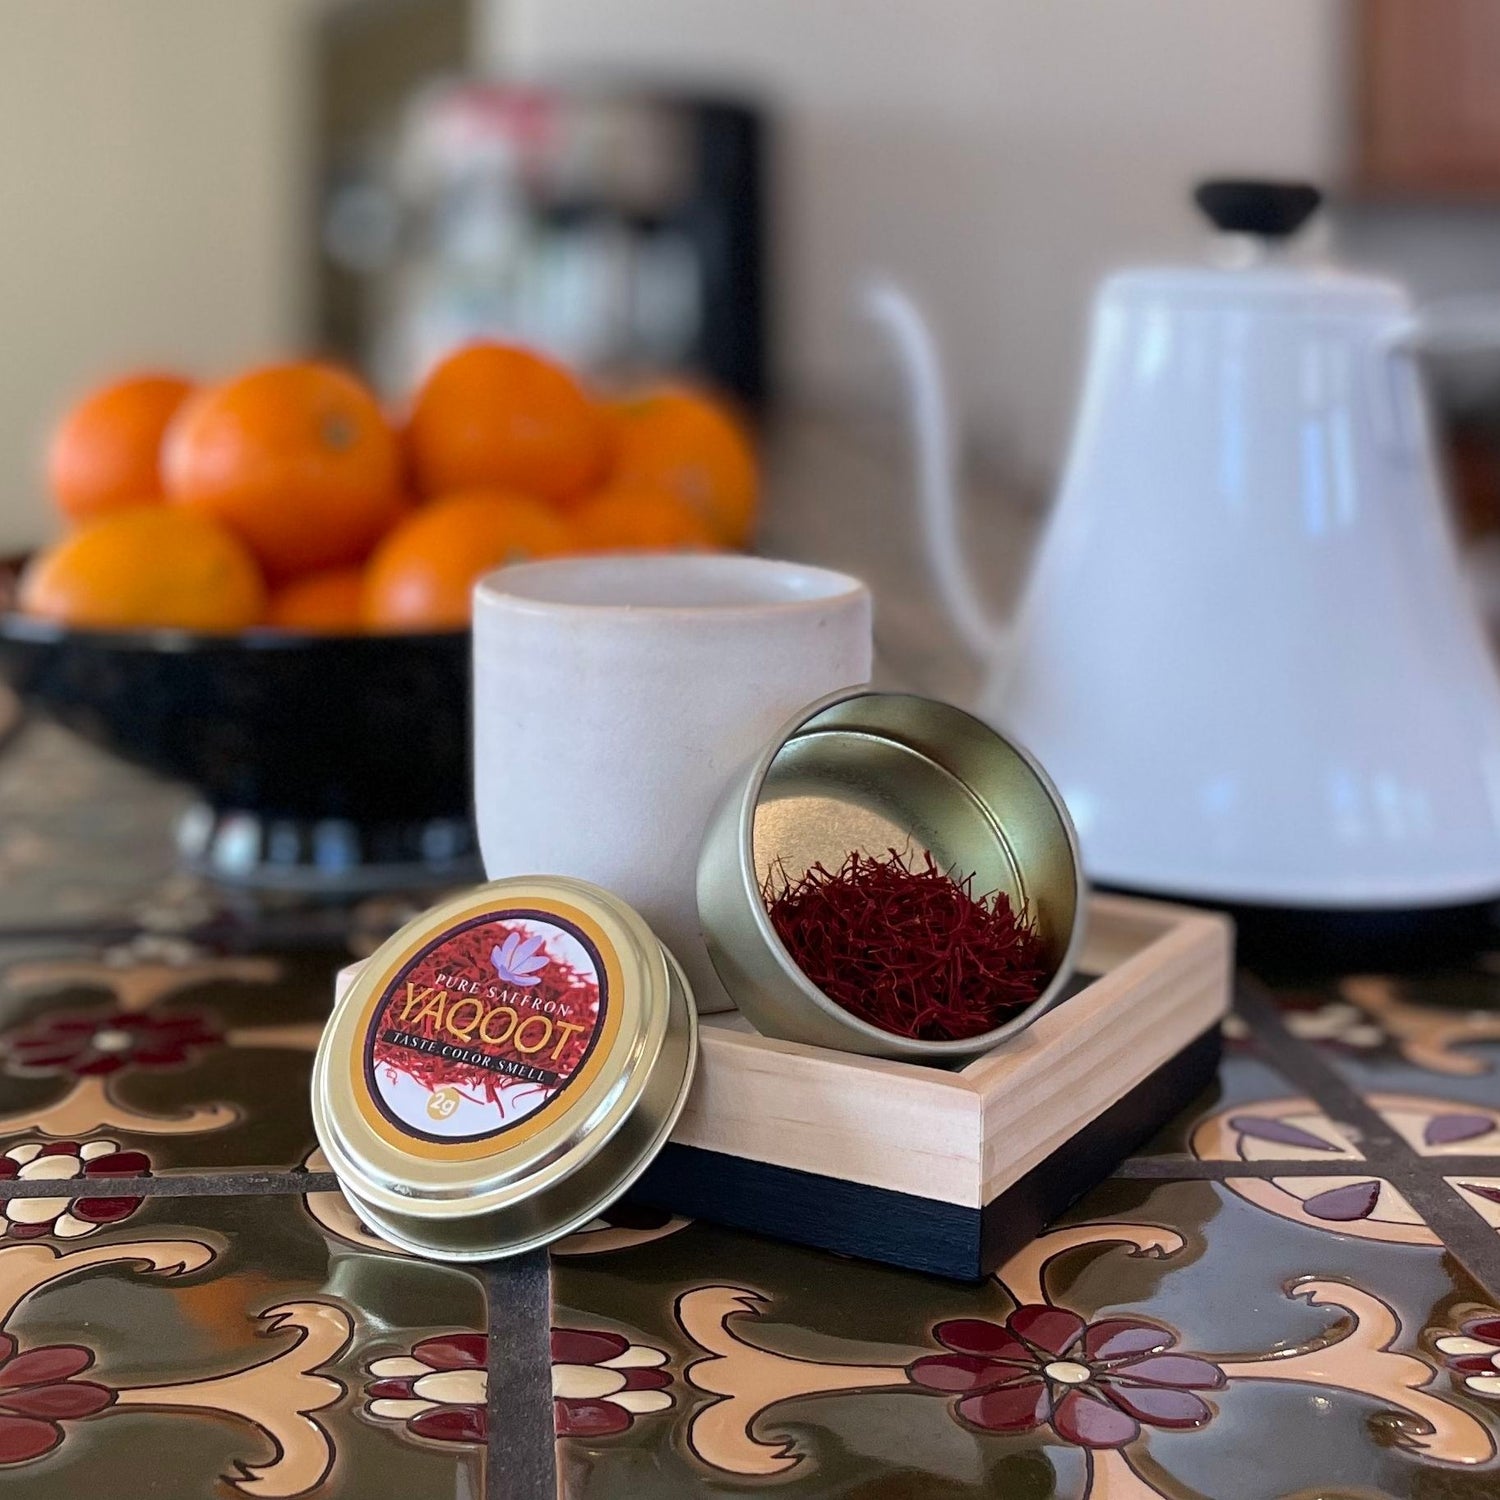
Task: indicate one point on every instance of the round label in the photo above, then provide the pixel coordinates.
(485, 1026)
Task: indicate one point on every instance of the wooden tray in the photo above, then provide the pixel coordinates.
(952, 1170)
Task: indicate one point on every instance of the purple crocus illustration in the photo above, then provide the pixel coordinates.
(518, 961)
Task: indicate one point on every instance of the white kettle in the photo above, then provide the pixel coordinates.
(1246, 652)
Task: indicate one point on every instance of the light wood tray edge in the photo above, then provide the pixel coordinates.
(963, 1137)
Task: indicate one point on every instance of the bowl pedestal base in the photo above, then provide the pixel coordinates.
(330, 856)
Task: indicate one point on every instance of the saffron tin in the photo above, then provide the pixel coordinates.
(873, 771)
(503, 1068)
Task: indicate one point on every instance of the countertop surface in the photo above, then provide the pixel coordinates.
(1292, 1291)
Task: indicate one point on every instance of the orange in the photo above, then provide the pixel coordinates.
(689, 443)
(105, 452)
(491, 415)
(646, 520)
(146, 567)
(329, 603)
(423, 573)
(297, 459)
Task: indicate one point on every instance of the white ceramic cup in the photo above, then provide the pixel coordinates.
(615, 697)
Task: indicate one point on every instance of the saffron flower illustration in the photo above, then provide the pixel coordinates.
(518, 961)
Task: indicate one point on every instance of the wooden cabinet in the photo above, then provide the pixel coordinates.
(1428, 98)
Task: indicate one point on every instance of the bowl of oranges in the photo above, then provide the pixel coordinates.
(262, 585)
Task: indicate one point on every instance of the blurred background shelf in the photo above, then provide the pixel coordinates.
(371, 177)
(995, 157)
(1428, 114)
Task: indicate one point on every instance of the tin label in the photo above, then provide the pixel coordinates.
(486, 1025)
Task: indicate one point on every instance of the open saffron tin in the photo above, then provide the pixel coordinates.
(870, 772)
(503, 1068)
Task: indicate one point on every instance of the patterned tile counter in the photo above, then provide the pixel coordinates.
(1294, 1291)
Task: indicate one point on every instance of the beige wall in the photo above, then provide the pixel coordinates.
(996, 154)
(150, 202)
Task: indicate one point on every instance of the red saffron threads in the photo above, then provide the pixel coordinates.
(910, 950)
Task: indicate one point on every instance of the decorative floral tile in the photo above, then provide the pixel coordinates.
(1437, 1034)
(194, 1060)
(607, 1376)
(1317, 1186)
(224, 1347)
(1480, 1193)
(1146, 1346)
(1289, 1323)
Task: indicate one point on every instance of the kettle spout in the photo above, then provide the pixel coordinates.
(899, 318)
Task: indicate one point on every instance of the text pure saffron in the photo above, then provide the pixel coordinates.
(910, 950)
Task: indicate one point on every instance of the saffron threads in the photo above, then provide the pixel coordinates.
(909, 950)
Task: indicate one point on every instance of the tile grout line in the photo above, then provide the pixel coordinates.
(1171, 1166)
(190, 1185)
(1302, 1064)
(520, 1441)
(1190, 1168)
(1388, 1155)
(520, 1461)
(1419, 1179)
(1167, 1167)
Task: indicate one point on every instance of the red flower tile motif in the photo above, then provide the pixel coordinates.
(1473, 1353)
(439, 1390)
(1098, 1385)
(39, 1391)
(94, 1046)
(67, 1161)
(600, 1383)
(1094, 1384)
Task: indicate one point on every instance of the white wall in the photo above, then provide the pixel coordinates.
(996, 154)
(151, 202)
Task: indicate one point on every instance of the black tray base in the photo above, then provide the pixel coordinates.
(922, 1234)
(1290, 943)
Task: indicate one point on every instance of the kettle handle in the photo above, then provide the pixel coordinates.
(902, 322)
(1455, 325)
(1448, 324)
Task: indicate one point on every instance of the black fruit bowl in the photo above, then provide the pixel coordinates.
(321, 762)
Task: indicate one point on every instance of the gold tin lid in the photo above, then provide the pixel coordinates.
(871, 771)
(503, 1068)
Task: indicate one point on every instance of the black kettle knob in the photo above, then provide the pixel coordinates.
(1273, 210)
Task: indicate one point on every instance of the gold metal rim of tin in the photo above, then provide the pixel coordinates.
(865, 770)
(448, 1172)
